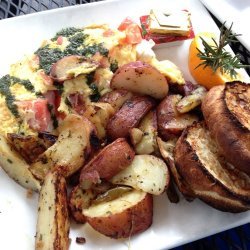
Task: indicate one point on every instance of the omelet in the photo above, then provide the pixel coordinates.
(31, 100)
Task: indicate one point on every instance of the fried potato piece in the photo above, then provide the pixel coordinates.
(146, 173)
(122, 217)
(72, 66)
(52, 230)
(171, 123)
(67, 155)
(199, 162)
(226, 110)
(129, 116)
(192, 100)
(147, 143)
(16, 167)
(30, 147)
(138, 77)
(78, 200)
(99, 114)
(107, 163)
(116, 98)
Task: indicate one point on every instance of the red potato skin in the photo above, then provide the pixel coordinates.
(167, 113)
(129, 116)
(132, 221)
(141, 78)
(108, 162)
(116, 98)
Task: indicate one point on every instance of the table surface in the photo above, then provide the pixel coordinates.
(234, 239)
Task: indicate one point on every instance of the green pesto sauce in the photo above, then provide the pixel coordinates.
(67, 32)
(5, 83)
(26, 83)
(52, 116)
(48, 56)
(95, 95)
(60, 87)
(113, 66)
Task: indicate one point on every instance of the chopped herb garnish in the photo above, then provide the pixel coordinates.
(216, 56)
(67, 32)
(95, 96)
(113, 66)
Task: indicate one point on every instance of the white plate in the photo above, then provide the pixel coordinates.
(173, 224)
(237, 12)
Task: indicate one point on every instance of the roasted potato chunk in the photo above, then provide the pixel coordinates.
(30, 147)
(116, 98)
(129, 116)
(67, 155)
(78, 200)
(122, 217)
(72, 66)
(107, 163)
(16, 167)
(140, 78)
(148, 126)
(52, 231)
(146, 173)
(171, 123)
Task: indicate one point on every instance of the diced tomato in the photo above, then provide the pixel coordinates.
(132, 31)
(133, 34)
(37, 114)
(108, 32)
(59, 40)
(125, 23)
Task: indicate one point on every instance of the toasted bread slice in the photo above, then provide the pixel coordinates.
(166, 150)
(226, 110)
(198, 161)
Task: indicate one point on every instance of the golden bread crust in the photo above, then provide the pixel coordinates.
(226, 111)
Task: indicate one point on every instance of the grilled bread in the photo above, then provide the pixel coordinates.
(211, 178)
(226, 110)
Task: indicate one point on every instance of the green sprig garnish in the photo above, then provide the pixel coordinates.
(216, 56)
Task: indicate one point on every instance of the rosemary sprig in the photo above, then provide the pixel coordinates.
(216, 56)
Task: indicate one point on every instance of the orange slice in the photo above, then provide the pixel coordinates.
(205, 76)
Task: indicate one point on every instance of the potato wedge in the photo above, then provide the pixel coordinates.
(78, 200)
(16, 167)
(129, 116)
(67, 155)
(192, 100)
(146, 173)
(171, 123)
(226, 110)
(107, 163)
(148, 125)
(99, 114)
(52, 230)
(141, 78)
(116, 98)
(30, 147)
(123, 217)
(72, 66)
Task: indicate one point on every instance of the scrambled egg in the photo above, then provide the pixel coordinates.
(30, 77)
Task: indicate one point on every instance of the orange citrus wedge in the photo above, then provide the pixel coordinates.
(205, 76)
